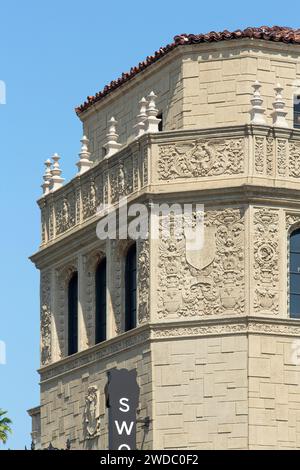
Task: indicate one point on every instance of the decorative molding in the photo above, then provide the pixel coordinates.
(193, 159)
(96, 353)
(90, 262)
(46, 318)
(91, 414)
(266, 260)
(186, 290)
(143, 281)
(152, 332)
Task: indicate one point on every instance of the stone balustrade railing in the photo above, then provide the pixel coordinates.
(256, 153)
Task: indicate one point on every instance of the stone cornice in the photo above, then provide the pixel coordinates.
(83, 235)
(146, 334)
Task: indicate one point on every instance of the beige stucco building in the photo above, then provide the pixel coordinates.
(214, 344)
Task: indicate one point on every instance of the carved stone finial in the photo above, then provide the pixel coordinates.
(152, 111)
(57, 180)
(84, 156)
(47, 177)
(257, 110)
(140, 127)
(112, 146)
(279, 113)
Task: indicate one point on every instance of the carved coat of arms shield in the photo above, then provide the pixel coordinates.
(203, 256)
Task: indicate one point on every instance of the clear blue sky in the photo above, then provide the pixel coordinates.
(53, 54)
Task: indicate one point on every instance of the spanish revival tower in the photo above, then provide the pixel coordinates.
(214, 338)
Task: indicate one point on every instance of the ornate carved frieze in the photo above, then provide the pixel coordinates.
(292, 220)
(259, 154)
(266, 260)
(100, 351)
(143, 281)
(193, 159)
(264, 155)
(294, 160)
(65, 213)
(145, 166)
(281, 157)
(209, 282)
(270, 155)
(46, 318)
(91, 416)
(89, 198)
(121, 179)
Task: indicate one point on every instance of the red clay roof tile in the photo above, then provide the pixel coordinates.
(275, 33)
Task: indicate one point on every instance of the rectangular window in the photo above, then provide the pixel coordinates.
(297, 111)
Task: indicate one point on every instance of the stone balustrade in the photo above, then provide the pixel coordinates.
(259, 155)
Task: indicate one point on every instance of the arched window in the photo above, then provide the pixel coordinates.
(100, 311)
(130, 288)
(73, 314)
(295, 274)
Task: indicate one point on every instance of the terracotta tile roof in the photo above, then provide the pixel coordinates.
(275, 33)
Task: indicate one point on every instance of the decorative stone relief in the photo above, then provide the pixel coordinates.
(281, 157)
(294, 160)
(259, 154)
(292, 219)
(51, 221)
(105, 187)
(89, 199)
(201, 158)
(63, 275)
(145, 164)
(91, 416)
(214, 284)
(266, 259)
(43, 222)
(270, 155)
(78, 204)
(90, 264)
(65, 213)
(292, 222)
(117, 284)
(143, 280)
(121, 179)
(135, 182)
(46, 318)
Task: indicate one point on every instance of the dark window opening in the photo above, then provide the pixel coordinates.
(130, 288)
(100, 310)
(160, 124)
(297, 111)
(73, 314)
(294, 283)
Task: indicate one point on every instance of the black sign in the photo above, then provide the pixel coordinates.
(122, 401)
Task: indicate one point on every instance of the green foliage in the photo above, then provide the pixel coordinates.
(5, 428)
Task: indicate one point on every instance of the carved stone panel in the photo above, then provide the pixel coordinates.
(192, 289)
(46, 318)
(91, 196)
(143, 281)
(294, 160)
(63, 276)
(65, 213)
(200, 158)
(266, 261)
(90, 265)
(116, 260)
(121, 179)
(91, 416)
(281, 157)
